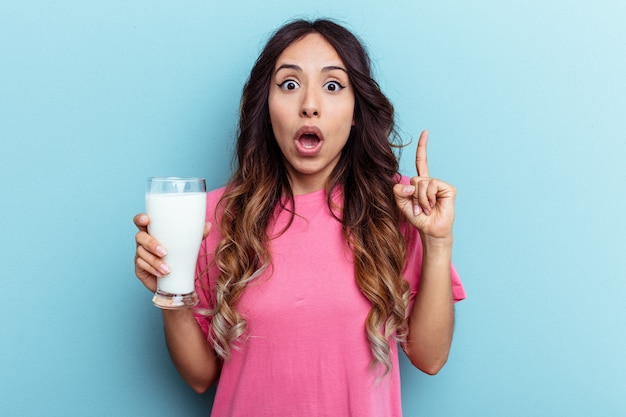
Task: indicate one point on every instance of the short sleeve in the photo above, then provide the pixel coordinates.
(206, 271)
(203, 290)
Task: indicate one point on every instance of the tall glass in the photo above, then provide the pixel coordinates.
(177, 210)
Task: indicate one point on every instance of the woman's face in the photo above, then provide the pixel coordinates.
(311, 105)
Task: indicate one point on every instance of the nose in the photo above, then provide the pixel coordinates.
(310, 104)
(310, 112)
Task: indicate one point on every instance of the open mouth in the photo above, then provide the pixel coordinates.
(309, 140)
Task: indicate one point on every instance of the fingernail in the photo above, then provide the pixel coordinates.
(416, 209)
(408, 189)
(161, 250)
(164, 268)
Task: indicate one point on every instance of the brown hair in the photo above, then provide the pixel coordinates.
(366, 173)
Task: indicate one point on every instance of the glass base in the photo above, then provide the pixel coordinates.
(167, 301)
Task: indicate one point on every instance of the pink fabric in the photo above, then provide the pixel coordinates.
(305, 352)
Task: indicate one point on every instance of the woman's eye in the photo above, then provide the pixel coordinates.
(333, 86)
(289, 85)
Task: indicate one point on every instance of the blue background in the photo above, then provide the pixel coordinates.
(526, 105)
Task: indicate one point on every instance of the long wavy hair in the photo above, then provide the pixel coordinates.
(365, 174)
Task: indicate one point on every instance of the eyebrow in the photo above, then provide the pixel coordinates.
(294, 67)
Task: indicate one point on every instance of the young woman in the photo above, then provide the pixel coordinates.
(321, 257)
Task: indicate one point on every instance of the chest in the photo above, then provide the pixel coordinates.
(310, 282)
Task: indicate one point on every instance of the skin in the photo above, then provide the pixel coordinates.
(310, 88)
(428, 204)
(191, 353)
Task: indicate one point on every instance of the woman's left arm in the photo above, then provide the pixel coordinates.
(431, 321)
(428, 204)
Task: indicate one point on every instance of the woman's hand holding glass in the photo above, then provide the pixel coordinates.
(149, 263)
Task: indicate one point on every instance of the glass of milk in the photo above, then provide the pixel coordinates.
(177, 210)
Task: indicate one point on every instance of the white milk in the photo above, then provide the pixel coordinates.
(177, 222)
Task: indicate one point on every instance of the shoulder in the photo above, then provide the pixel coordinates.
(212, 200)
(215, 195)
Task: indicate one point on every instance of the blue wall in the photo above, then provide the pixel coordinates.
(526, 104)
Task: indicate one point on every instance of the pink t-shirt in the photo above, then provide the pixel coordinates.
(305, 352)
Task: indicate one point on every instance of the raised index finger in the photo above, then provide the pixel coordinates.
(421, 162)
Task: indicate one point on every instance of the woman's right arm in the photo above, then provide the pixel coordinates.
(191, 352)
